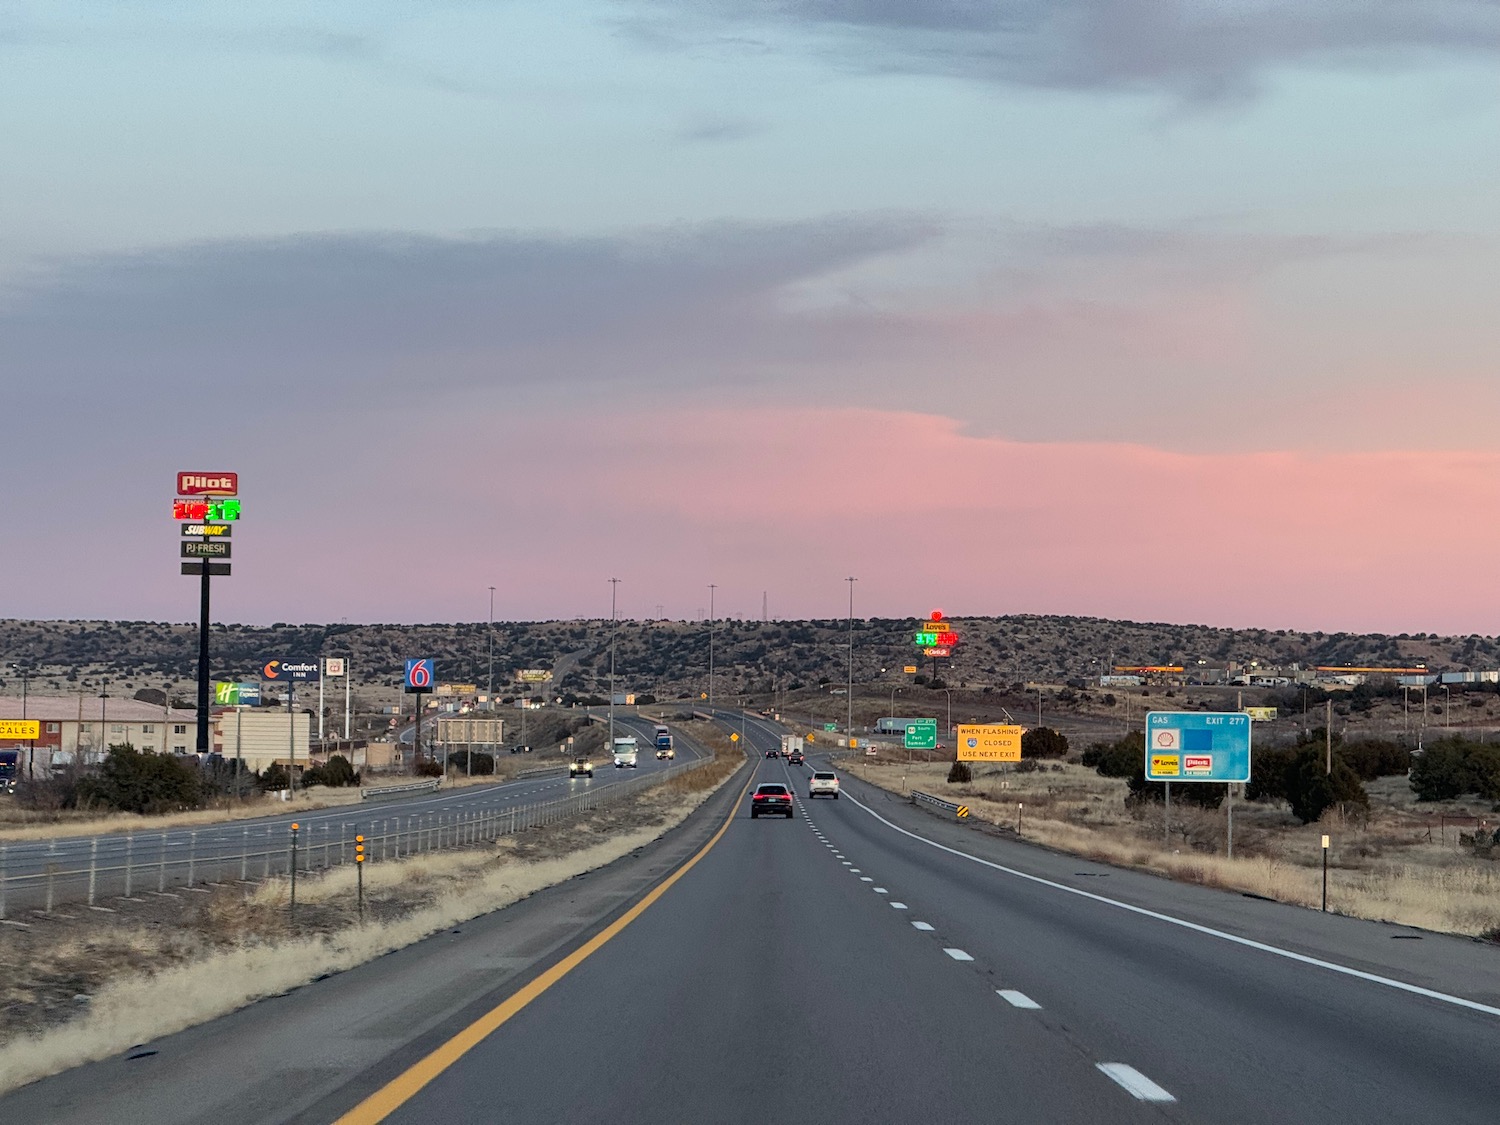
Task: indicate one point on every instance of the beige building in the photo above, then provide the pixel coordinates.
(83, 727)
(261, 737)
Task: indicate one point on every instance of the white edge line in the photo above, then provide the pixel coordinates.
(1017, 999)
(1235, 939)
(1136, 1084)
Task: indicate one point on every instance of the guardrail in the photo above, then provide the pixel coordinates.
(377, 792)
(961, 812)
(538, 771)
(43, 876)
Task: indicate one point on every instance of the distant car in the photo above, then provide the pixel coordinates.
(824, 783)
(666, 753)
(796, 758)
(773, 753)
(772, 799)
(581, 767)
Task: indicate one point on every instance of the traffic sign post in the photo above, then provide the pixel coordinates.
(921, 734)
(1212, 746)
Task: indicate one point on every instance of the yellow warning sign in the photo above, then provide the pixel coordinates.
(989, 742)
(963, 811)
(1166, 765)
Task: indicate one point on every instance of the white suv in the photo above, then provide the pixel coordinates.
(823, 784)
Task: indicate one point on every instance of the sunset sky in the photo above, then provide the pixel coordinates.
(1173, 310)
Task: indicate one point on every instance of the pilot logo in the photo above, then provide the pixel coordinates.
(208, 484)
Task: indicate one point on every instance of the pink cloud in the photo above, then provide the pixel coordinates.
(547, 505)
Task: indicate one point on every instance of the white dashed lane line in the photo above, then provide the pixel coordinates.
(898, 906)
(880, 890)
(958, 955)
(1135, 1083)
(865, 879)
(923, 926)
(1017, 999)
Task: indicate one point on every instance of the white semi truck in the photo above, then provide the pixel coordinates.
(791, 744)
(625, 753)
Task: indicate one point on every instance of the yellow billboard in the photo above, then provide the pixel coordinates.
(1261, 714)
(988, 742)
(20, 728)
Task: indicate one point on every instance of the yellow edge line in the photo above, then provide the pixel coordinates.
(406, 1085)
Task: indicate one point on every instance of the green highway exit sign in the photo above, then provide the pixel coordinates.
(921, 734)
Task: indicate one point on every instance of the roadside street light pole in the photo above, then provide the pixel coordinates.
(849, 691)
(614, 586)
(711, 589)
(490, 683)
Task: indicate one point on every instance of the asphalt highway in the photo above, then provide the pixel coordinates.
(865, 961)
(161, 859)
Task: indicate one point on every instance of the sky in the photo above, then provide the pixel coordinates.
(1172, 310)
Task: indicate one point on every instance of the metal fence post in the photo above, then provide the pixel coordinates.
(192, 856)
(93, 868)
(161, 870)
(266, 863)
(244, 853)
(129, 862)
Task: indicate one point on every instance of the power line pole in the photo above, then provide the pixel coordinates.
(849, 690)
(711, 589)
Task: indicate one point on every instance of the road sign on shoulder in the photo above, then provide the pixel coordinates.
(1197, 746)
(921, 734)
(989, 742)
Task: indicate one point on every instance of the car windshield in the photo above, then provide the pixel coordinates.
(772, 789)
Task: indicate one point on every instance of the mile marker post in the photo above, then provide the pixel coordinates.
(1325, 874)
(293, 910)
(359, 873)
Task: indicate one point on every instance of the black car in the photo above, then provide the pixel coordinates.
(795, 757)
(773, 799)
(773, 753)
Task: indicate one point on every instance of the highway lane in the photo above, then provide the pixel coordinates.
(841, 968)
(875, 977)
(220, 850)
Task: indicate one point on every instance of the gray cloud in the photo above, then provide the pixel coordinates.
(329, 314)
(1200, 49)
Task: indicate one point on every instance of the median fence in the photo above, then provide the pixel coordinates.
(88, 871)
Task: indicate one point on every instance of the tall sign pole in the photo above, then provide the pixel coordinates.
(205, 502)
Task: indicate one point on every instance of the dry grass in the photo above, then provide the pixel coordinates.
(142, 983)
(1387, 866)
